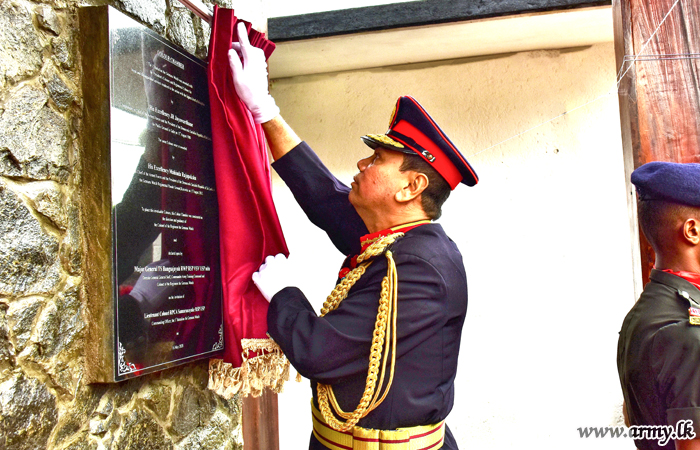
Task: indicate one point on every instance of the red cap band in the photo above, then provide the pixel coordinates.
(441, 163)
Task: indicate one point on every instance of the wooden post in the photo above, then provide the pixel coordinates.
(660, 93)
(260, 422)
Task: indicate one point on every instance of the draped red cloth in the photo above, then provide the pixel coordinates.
(249, 226)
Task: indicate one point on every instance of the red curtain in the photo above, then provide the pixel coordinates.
(249, 226)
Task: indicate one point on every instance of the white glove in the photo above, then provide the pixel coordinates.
(250, 77)
(273, 276)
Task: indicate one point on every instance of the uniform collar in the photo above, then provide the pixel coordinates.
(691, 277)
(685, 284)
(679, 284)
(369, 239)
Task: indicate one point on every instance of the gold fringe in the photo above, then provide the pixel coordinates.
(267, 367)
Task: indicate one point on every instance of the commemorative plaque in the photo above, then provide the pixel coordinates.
(153, 283)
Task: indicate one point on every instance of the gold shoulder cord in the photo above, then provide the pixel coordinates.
(384, 336)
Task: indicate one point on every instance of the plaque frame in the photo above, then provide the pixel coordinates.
(104, 353)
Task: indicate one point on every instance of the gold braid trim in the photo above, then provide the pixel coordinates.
(267, 368)
(384, 337)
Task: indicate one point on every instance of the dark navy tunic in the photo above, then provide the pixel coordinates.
(658, 357)
(334, 349)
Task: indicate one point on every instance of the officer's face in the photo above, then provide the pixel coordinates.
(375, 186)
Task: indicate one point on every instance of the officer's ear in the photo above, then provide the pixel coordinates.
(691, 231)
(415, 187)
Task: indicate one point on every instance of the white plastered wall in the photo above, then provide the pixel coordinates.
(544, 235)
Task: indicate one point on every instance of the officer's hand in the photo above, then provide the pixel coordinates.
(273, 276)
(250, 77)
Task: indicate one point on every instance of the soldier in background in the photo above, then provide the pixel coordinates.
(658, 355)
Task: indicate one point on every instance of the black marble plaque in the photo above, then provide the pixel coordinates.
(166, 267)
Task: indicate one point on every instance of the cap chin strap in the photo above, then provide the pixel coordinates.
(384, 337)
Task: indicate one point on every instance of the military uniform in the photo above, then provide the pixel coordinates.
(658, 356)
(658, 352)
(335, 349)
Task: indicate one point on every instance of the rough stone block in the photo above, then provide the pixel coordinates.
(199, 374)
(47, 331)
(49, 200)
(204, 35)
(192, 410)
(81, 442)
(156, 398)
(71, 250)
(63, 52)
(9, 166)
(74, 420)
(63, 335)
(113, 421)
(128, 390)
(97, 427)
(106, 406)
(21, 48)
(29, 261)
(28, 412)
(138, 431)
(219, 434)
(7, 351)
(224, 4)
(20, 317)
(62, 92)
(48, 19)
(58, 340)
(151, 13)
(181, 30)
(35, 136)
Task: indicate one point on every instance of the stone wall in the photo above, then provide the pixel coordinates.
(43, 403)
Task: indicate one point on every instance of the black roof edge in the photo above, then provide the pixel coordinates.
(415, 13)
